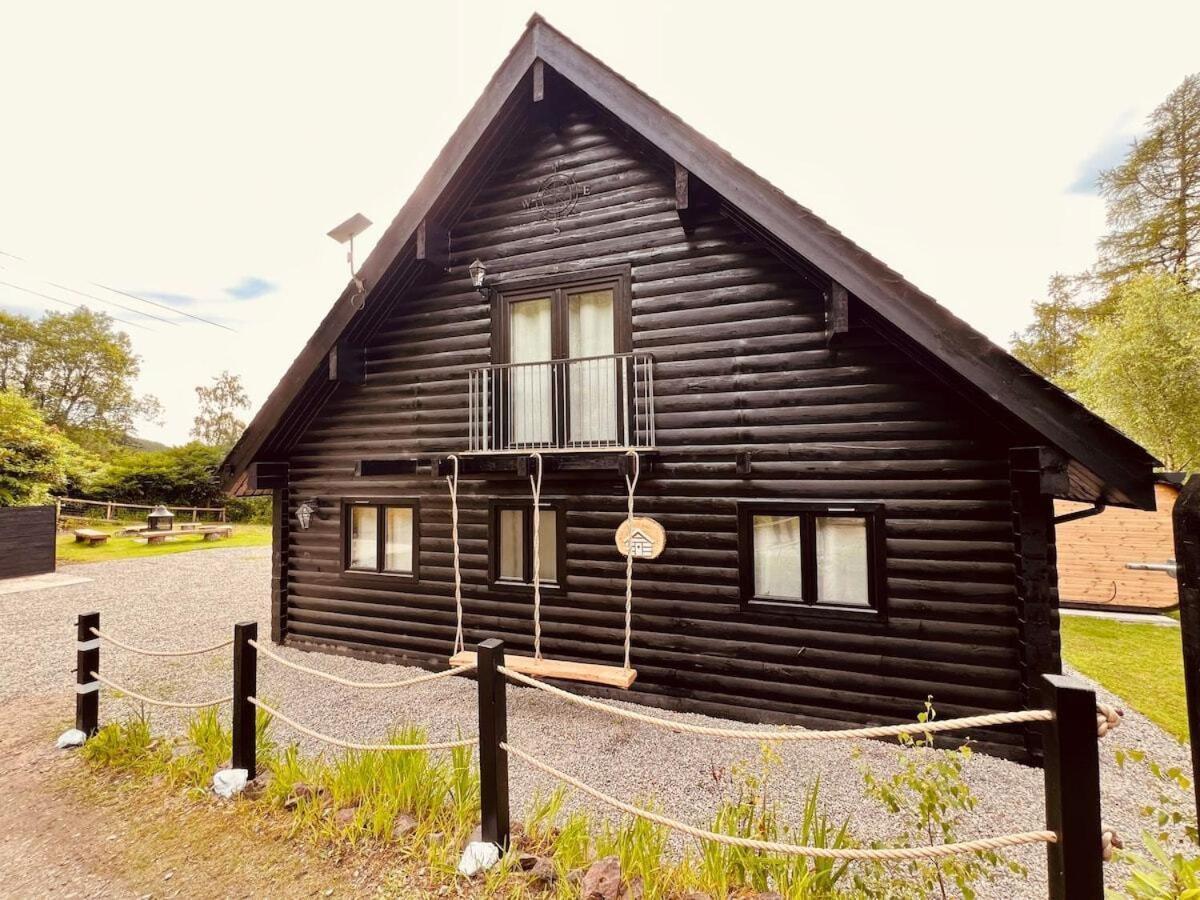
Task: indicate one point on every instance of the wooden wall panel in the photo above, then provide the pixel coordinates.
(27, 535)
(1092, 554)
(742, 361)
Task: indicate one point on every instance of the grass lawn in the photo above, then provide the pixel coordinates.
(1141, 664)
(128, 548)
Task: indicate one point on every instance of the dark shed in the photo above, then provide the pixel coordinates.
(856, 487)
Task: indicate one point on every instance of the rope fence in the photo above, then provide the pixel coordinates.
(888, 854)
(797, 734)
(170, 704)
(351, 745)
(141, 651)
(364, 685)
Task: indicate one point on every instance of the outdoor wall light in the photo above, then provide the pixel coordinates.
(478, 271)
(305, 512)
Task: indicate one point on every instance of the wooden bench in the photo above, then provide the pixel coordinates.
(90, 536)
(207, 532)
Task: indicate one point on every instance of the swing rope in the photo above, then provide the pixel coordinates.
(452, 483)
(630, 483)
(535, 482)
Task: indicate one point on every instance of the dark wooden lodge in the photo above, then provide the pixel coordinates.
(856, 486)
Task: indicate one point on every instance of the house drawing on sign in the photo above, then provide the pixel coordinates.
(640, 544)
(586, 292)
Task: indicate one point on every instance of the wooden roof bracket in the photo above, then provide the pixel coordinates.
(266, 476)
(1040, 469)
(692, 198)
(433, 245)
(347, 363)
(837, 312)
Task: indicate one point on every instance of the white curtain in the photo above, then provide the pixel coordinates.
(512, 544)
(593, 383)
(547, 546)
(842, 561)
(398, 540)
(363, 535)
(777, 557)
(531, 409)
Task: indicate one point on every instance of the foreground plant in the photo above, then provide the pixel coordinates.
(929, 797)
(1162, 872)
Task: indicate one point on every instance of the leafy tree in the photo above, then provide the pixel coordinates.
(1154, 195)
(217, 423)
(1139, 367)
(77, 371)
(1047, 345)
(33, 455)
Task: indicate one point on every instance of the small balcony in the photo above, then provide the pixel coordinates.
(592, 403)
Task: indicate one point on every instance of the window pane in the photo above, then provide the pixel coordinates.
(364, 552)
(398, 540)
(842, 561)
(548, 546)
(530, 404)
(593, 384)
(512, 544)
(777, 555)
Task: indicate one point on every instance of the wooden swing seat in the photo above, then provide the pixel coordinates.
(612, 676)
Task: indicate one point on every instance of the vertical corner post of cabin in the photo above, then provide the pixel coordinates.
(1075, 863)
(1036, 474)
(493, 733)
(245, 687)
(280, 536)
(1186, 520)
(87, 661)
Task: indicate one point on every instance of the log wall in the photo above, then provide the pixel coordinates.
(742, 361)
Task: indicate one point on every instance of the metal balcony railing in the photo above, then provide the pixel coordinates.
(593, 403)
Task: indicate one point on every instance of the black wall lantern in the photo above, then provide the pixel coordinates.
(305, 512)
(160, 519)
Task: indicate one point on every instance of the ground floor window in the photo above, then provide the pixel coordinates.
(821, 555)
(510, 544)
(380, 537)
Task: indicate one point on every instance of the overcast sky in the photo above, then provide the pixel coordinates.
(197, 155)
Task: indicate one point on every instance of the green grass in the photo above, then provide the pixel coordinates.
(1141, 664)
(128, 548)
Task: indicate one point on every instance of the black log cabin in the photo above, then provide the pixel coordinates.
(856, 486)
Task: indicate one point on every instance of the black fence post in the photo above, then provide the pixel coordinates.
(493, 731)
(245, 686)
(1072, 770)
(87, 660)
(1186, 519)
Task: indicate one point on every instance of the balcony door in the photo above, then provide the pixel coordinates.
(560, 381)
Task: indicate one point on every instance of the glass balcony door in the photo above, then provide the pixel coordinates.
(591, 381)
(530, 377)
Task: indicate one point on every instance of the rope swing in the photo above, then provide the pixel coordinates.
(452, 483)
(535, 483)
(631, 484)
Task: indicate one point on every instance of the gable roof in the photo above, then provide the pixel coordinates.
(1120, 466)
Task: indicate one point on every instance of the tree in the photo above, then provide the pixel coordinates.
(77, 371)
(1154, 196)
(181, 476)
(33, 455)
(217, 423)
(1139, 367)
(1047, 345)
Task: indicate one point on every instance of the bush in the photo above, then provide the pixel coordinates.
(33, 455)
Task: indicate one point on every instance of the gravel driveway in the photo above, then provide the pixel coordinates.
(190, 599)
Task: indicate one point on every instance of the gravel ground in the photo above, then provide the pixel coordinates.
(191, 599)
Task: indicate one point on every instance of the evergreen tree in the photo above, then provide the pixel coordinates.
(1047, 345)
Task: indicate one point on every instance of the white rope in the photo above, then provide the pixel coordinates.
(350, 745)
(880, 853)
(366, 685)
(798, 734)
(1107, 718)
(452, 483)
(536, 484)
(630, 483)
(170, 704)
(132, 649)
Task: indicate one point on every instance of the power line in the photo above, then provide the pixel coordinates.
(68, 303)
(164, 306)
(136, 312)
(105, 287)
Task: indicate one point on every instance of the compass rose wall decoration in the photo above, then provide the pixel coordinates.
(557, 197)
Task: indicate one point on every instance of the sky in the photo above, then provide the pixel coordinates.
(197, 155)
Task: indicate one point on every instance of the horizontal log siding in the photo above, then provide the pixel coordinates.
(741, 360)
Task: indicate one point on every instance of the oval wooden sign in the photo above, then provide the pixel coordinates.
(649, 539)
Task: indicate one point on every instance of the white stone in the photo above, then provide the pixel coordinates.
(229, 782)
(72, 737)
(478, 857)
